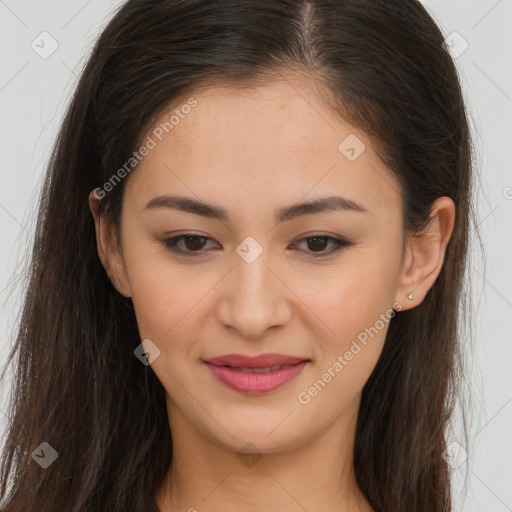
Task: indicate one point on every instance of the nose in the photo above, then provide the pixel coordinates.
(254, 298)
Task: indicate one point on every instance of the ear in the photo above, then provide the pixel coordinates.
(108, 247)
(424, 254)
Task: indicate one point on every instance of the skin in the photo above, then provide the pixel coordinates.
(252, 152)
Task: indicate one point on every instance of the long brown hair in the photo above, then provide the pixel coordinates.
(78, 385)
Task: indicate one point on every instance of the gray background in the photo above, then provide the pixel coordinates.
(35, 90)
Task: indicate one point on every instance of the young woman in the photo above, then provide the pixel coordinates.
(248, 266)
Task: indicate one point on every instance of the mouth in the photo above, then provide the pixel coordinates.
(254, 375)
(266, 369)
(259, 361)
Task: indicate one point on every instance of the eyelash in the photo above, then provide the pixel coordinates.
(171, 244)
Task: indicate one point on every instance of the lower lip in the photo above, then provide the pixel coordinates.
(255, 383)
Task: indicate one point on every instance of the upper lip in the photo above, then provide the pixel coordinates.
(260, 361)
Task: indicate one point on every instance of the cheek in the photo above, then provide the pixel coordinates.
(167, 311)
(167, 297)
(352, 296)
(358, 309)
(354, 305)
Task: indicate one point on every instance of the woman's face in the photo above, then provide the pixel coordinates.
(264, 274)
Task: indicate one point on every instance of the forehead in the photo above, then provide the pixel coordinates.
(285, 116)
(272, 140)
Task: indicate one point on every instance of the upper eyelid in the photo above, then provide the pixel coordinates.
(302, 237)
(312, 235)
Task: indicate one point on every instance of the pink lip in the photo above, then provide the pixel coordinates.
(227, 369)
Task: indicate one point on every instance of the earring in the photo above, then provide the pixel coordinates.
(410, 296)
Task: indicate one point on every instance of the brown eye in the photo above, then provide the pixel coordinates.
(316, 245)
(193, 244)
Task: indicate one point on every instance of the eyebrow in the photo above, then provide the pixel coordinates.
(189, 205)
